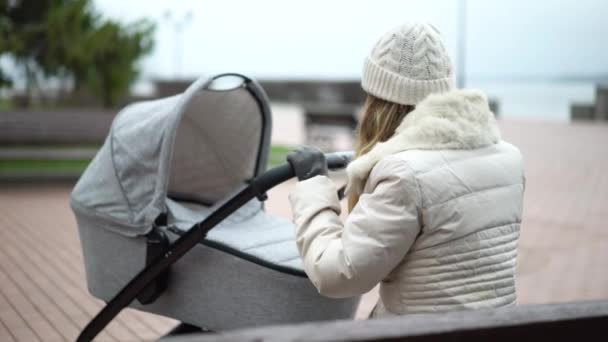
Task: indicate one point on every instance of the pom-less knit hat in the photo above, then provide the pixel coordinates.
(407, 64)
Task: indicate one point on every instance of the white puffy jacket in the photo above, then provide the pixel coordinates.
(438, 219)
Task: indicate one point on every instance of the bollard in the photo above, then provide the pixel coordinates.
(601, 102)
(494, 106)
(582, 111)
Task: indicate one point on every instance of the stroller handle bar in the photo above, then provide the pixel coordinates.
(284, 172)
(257, 188)
(339, 160)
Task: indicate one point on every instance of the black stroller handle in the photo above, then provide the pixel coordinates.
(284, 172)
(339, 160)
(256, 188)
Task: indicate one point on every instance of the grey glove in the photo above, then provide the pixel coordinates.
(307, 162)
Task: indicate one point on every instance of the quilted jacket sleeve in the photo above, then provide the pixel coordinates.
(344, 260)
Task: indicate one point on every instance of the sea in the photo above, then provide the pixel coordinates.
(537, 100)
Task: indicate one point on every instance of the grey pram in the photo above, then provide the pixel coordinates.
(171, 170)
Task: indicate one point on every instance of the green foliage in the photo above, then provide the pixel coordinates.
(115, 50)
(67, 39)
(7, 166)
(277, 156)
(68, 31)
(5, 81)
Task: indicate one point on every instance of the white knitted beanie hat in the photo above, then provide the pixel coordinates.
(407, 64)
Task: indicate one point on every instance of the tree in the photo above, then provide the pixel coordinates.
(69, 27)
(68, 40)
(4, 79)
(22, 25)
(115, 50)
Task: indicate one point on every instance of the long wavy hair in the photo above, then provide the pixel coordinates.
(379, 120)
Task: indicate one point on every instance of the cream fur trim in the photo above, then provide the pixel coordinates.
(459, 119)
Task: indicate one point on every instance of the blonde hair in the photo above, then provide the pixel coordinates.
(379, 120)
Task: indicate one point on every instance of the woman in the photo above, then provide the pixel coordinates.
(435, 196)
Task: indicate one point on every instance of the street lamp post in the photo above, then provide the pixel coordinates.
(179, 24)
(462, 43)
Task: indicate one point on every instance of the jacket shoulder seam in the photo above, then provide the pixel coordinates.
(409, 173)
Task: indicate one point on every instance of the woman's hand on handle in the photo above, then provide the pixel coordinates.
(307, 162)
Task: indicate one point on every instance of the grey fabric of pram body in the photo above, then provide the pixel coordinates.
(181, 157)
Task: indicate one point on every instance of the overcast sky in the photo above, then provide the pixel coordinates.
(329, 39)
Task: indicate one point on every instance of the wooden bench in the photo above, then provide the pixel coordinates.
(51, 145)
(71, 127)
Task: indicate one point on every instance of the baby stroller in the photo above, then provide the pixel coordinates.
(170, 213)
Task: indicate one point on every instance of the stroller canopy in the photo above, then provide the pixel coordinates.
(197, 146)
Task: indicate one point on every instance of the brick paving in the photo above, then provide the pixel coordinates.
(563, 248)
(564, 239)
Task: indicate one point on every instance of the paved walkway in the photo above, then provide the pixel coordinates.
(563, 249)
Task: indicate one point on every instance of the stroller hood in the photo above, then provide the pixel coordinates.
(200, 145)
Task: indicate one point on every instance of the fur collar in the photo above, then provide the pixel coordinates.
(459, 119)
